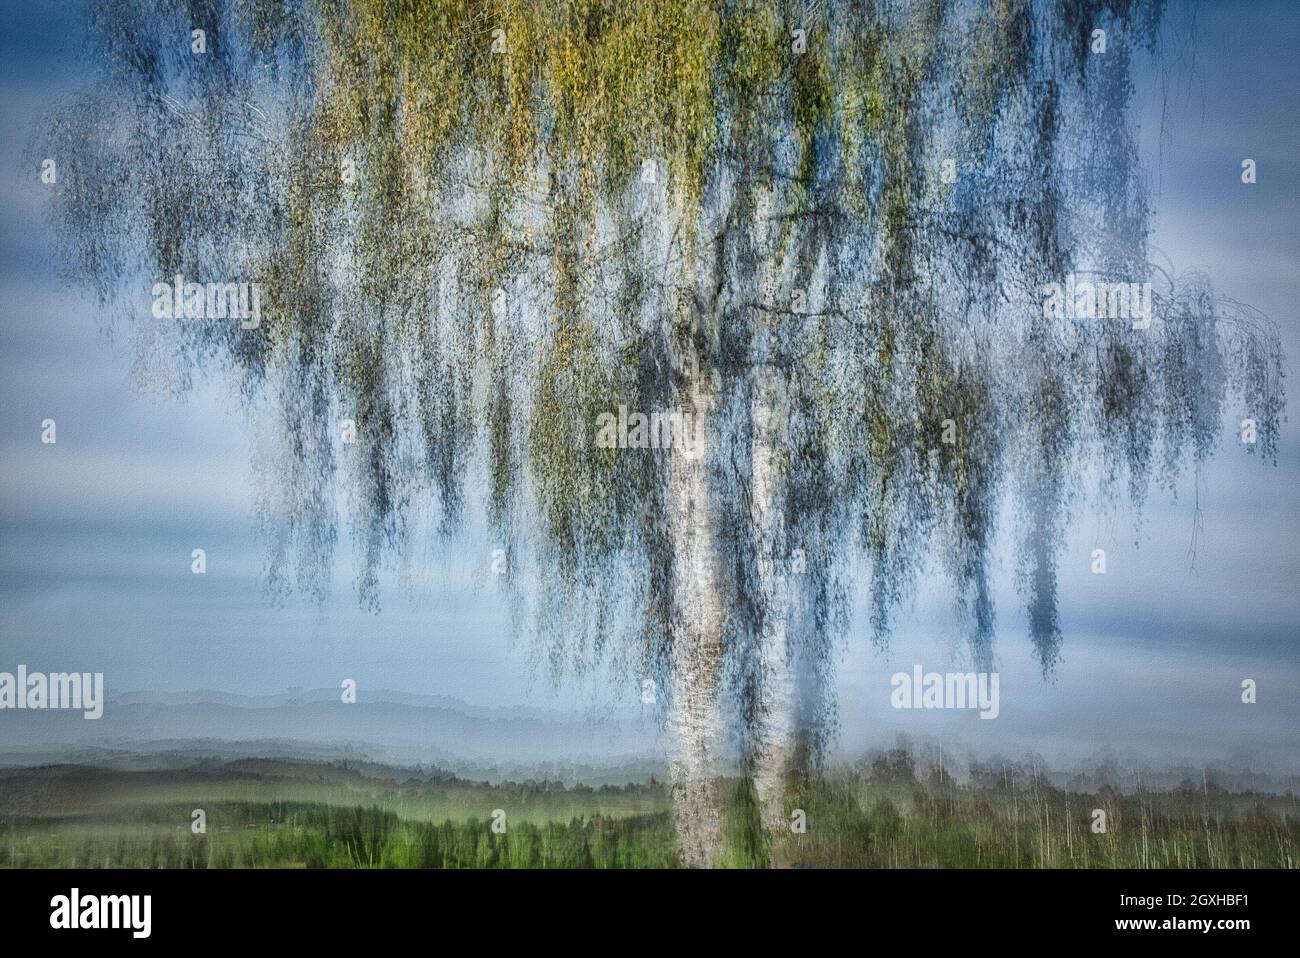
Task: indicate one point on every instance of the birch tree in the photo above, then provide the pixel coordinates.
(814, 239)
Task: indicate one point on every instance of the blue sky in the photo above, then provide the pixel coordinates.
(96, 531)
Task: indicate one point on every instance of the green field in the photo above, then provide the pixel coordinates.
(279, 814)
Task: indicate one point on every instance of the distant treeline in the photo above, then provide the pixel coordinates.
(891, 810)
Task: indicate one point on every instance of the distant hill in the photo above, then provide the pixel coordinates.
(398, 727)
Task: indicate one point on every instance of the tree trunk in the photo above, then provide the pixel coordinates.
(694, 717)
(771, 737)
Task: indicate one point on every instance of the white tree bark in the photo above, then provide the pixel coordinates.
(772, 736)
(694, 717)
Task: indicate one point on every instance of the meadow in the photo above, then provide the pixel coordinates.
(883, 813)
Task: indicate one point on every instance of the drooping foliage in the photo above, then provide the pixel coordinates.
(480, 224)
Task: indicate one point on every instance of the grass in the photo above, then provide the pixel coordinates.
(277, 814)
(306, 835)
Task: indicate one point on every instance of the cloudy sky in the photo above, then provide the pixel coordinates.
(96, 531)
